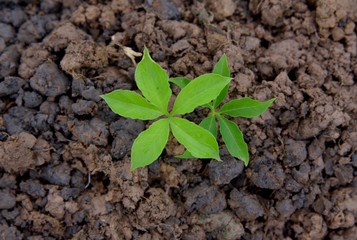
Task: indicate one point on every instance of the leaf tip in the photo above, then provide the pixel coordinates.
(245, 158)
(146, 52)
(228, 78)
(270, 101)
(134, 166)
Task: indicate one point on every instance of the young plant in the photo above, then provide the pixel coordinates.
(153, 82)
(243, 107)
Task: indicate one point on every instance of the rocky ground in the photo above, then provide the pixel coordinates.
(65, 157)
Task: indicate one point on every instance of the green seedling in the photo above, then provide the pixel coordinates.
(244, 107)
(153, 82)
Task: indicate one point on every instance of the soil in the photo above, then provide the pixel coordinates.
(65, 157)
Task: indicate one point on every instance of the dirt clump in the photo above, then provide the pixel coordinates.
(245, 206)
(156, 208)
(223, 225)
(267, 174)
(49, 80)
(224, 172)
(10, 85)
(205, 199)
(222, 9)
(63, 35)
(82, 55)
(8, 200)
(9, 59)
(31, 58)
(23, 151)
(90, 132)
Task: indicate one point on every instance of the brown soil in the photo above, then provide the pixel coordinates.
(65, 158)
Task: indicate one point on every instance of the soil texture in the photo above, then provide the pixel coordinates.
(65, 157)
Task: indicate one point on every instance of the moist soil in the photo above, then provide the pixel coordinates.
(65, 157)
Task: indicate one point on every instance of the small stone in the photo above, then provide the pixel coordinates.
(204, 198)
(7, 181)
(49, 6)
(78, 179)
(13, 14)
(83, 107)
(32, 99)
(7, 199)
(33, 188)
(32, 57)
(285, 207)
(55, 204)
(58, 175)
(315, 149)
(245, 206)
(94, 131)
(68, 193)
(11, 85)
(180, 45)
(8, 233)
(349, 28)
(344, 173)
(295, 153)
(9, 61)
(62, 36)
(91, 94)
(292, 185)
(132, 126)
(337, 34)
(251, 43)
(215, 40)
(7, 32)
(266, 173)
(65, 104)
(354, 159)
(18, 119)
(165, 9)
(121, 145)
(344, 149)
(301, 175)
(223, 225)
(35, 28)
(222, 9)
(223, 172)
(49, 80)
(2, 45)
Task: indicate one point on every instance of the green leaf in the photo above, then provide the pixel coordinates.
(210, 124)
(233, 138)
(131, 105)
(221, 96)
(198, 92)
(185, 155)
(197, 140)
(222, 68)
(153, 82)
(149, 145)
(245, 107)
(181, 82)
